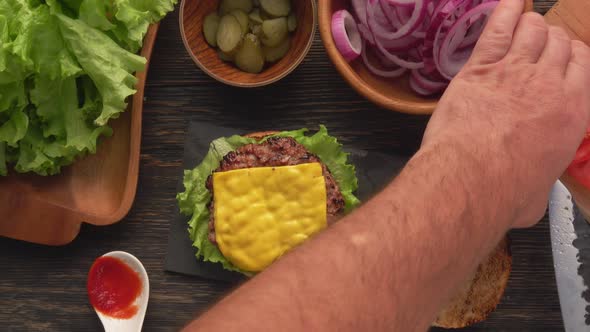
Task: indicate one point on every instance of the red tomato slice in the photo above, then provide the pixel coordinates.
(583, 152)
(580, 172)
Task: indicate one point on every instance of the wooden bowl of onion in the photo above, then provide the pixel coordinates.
(401, 54)
(248, 43)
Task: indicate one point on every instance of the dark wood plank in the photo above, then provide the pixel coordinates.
(43, 289)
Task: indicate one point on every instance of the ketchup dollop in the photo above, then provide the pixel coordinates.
(113, 287)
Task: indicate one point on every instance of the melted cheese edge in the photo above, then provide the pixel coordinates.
(263, 212)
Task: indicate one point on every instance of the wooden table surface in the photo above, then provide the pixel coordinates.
(43, 288)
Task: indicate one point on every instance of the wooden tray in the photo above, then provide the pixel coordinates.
(98, 189)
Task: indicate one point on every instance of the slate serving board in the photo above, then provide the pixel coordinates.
(374, 171)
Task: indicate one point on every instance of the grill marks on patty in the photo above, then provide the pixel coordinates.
(274, 152)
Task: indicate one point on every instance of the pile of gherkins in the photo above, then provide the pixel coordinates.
(251, 33)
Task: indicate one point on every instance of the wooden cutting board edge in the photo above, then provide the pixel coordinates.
(573, 16)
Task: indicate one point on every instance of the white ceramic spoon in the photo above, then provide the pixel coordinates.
(134, 323)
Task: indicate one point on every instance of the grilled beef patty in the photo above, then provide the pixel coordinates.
(276, 151)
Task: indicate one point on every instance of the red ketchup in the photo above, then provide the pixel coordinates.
(113, 287)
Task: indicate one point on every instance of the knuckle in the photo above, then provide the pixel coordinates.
(558, 33)
(533, 20)
(496, 35)
(581, 48)
(580, 55)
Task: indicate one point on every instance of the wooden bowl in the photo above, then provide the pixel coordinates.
(98, 189)
(394, 94)
(192, 13)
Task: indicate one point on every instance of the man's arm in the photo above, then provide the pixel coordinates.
(488, 159)
(392, 263)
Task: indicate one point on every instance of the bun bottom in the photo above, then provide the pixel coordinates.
(480, 296)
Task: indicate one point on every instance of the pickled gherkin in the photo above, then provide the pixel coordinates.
(210, 26)
(229, 33)
(276, 8)
(274, 31)
(256, 29)
(228, 6)
(249, 57)
(242, 18)
(225, 56)
(273, 54)
(255, 16)
(291, 22)
(251, 33)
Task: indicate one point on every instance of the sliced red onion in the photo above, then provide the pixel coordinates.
(390, 13)
(473, 33)
(346, 35)
(360, 10)
(449, 64)
(431, 38)
(366, 34)
(401, 2)
(410, 26)
(383, 73)
(397, 60)
(426, 83)
(400, 45)
(419, 34)
(418, 89)
(437, 30)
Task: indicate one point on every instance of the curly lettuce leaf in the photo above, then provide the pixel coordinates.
(94, 13)
(57, 106)
(194, 200)
(14, 128)
(126, 21)
(110, 67)
(12, 95)
(48, 51)
(135, 16)
(63, 75)
(3, 169)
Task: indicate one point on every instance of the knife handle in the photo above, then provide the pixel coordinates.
(573, 16)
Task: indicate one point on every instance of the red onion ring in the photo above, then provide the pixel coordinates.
(402, 2)
(431, 38)
(346, 35)
(410, 26)
(450, 63)
(366, 34)
(383, 73)
(397, 60)
(418, 89)
(360, 10)
(426, 83)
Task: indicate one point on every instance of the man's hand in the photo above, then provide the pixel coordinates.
(503, 132)
(520, 107)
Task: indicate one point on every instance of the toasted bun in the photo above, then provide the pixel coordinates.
(261, 134)
(480, 296)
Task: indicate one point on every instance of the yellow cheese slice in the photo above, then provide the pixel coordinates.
(260, 213)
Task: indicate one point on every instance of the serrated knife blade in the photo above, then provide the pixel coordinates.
(570, 284)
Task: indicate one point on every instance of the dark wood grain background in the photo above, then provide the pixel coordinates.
(43, 288)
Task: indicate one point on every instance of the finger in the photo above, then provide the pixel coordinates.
(497, 35)
(530, 38)
(578, 68)
(577, 76)
(558, 50)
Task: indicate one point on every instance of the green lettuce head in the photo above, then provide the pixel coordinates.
(66, 68)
